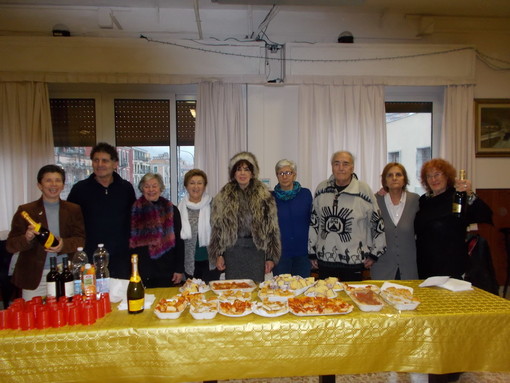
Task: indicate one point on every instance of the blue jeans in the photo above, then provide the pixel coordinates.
(294, 266)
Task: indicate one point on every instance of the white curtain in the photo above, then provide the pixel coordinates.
(458, 135)
(26, 144)
(220, 130)
(342, 117)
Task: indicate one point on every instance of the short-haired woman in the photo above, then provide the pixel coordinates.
(294, 204)
(195, 209)
(156, 235)
(398, 209)
(64, 219)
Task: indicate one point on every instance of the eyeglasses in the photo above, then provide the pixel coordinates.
(434, 176)
(281, 174)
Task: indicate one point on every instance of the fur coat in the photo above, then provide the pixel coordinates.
(225, 219)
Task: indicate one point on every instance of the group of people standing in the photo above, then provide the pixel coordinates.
(247, 231)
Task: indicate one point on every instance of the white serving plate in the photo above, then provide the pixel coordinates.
(319, 314)
(203, 315)
(364, 306)
(354, 286)
(173, 315)
(246, 312)
(260, 310)
(217, 290)
(400, 303)
(309, 293)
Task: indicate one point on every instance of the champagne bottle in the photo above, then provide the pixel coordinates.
(135, 291)
(53, 279)
(45, 237)
(66, 280)
(460, 199)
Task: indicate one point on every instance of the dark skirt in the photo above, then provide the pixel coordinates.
(244, 261)
(156, 272)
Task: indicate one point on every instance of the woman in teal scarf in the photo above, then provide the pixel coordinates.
(294, 205)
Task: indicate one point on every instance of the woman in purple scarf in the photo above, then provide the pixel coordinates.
(155, 235)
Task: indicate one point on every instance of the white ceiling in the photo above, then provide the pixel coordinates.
(290, 20)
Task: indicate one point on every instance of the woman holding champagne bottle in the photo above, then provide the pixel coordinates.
(61, 218)
(440, 231)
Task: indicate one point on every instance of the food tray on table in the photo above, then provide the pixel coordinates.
(232, 295)
(366, 299)
(289, 283)
(194, 286)
(321, 288)
(270, 309)
(399, 296)
(361, 286)
(171, 308)
(309, 306)
(236, 308)
(246, 285)
(204, 309)
(266, 292)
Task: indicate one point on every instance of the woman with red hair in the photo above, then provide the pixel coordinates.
(441, 235)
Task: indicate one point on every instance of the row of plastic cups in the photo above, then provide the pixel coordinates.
(35, 314)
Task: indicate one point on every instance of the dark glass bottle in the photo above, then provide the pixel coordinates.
(66, 279)
(135, 291)
(53, 280)
(459, 204)
(45, 237)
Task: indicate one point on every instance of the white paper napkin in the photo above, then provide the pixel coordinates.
(149, 300)
(118, 289)
(448, 283)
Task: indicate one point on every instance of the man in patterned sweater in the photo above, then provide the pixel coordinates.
(346, 229)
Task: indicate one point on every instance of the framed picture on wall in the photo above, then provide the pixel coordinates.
(492, 123)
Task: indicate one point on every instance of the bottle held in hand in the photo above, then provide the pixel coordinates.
(45, 237)
(135, 291)
(459, 204)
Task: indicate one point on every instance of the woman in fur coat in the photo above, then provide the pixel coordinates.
(245, 237)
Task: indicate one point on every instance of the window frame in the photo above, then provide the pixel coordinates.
(433, 94)
(104, 96)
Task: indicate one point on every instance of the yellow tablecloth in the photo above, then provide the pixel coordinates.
(449, 332)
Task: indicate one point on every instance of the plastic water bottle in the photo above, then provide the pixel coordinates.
(101, 258)
(78, 261)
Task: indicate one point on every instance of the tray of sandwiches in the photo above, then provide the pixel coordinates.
(399, 296)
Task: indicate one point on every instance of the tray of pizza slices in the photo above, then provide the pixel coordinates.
(399, 296)
(246, 285)
(236, 308)
(365, 296)
(307, 306)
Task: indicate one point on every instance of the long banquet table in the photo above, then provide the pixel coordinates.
(449, 332)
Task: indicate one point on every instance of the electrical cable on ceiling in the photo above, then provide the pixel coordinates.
(483, 57)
